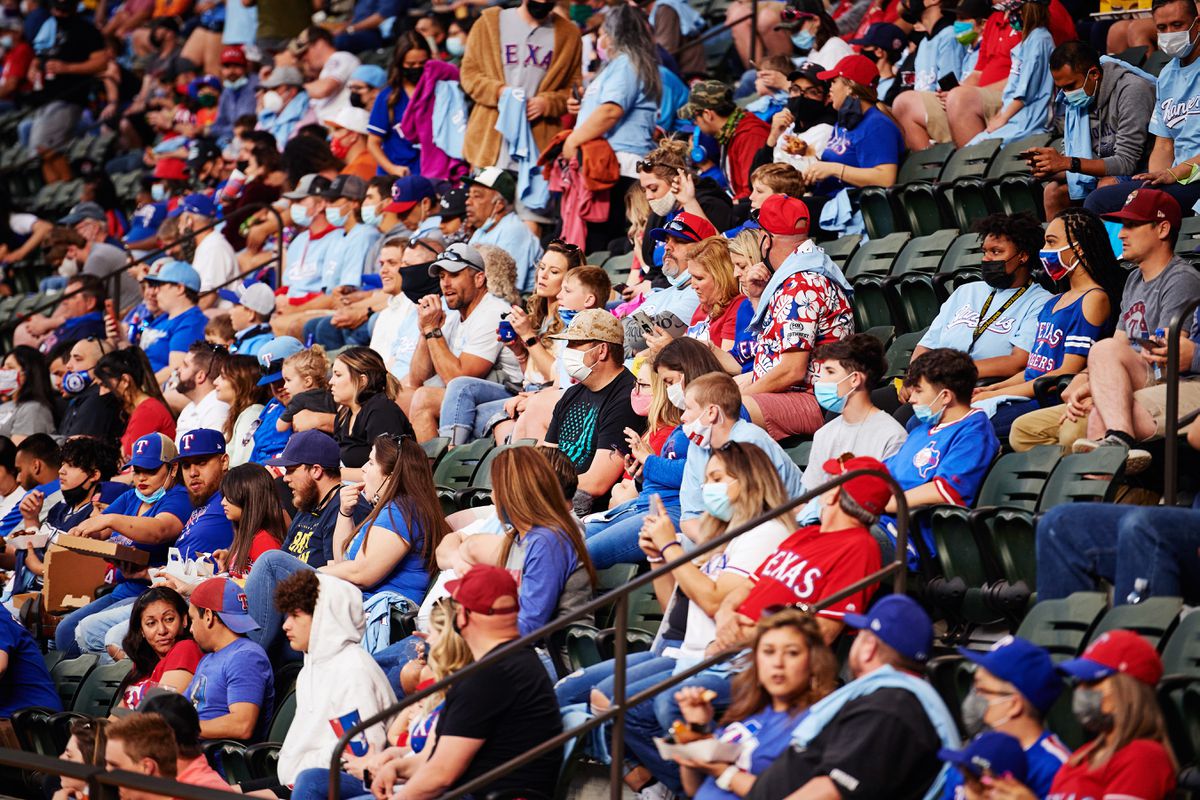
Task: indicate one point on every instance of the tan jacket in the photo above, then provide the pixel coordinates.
(483, 78)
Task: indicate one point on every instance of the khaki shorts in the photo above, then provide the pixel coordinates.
(937, 124)
(1154, 400)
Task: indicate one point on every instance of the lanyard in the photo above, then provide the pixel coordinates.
(984, 324)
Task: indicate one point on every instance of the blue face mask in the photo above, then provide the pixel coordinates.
(158, 193)
(76, 382)
(1078, 98)
(151, 498)
(925, 413)
(371, 215)
(803, 40)
(716, 500)
(827, 396)
(335, 217)
(239, 83)
(299, 215)
(566, 315)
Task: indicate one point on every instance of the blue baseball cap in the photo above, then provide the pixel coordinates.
(998, 753)
(370, 74)
(885, 36)
(309, 448)
(901, 623)
(201, 443)
(1023, 664)
(272, 355)
(408, 191)
(146, 221)
(196, 203)
(177, 272)
(152, 451)
(227, 599)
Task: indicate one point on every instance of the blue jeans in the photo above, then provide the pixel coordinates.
(392, 659)
(616, 540)
(359, 41)
(1108, 199)
(64, 634)
(577, 687)
(93, 632)
(269, 569)
(324, 333)
(313, 784)
(1007, 414)
(469, 407)
(1080, 542)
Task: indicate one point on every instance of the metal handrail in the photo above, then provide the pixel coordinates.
(620, 703)
(1171, 451)
(727, 26)
(97, 777)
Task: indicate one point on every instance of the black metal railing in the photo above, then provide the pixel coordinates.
(98, 779)
(620, 702)
(717, 30)
(1171, 433)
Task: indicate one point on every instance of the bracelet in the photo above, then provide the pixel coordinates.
(663, 549)
(655, 560)
(436, 333)
(344, 514)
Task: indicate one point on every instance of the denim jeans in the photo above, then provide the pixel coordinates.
(103, 627)
(324, 333)
(392, 659)
(64, 634)
(615, 541)
(577, 687)
(1080, 542)
(313, 784)
(1108, 199)
(469, 407)
(269, 569)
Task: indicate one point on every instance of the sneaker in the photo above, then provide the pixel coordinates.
(1086, 445)
(655, 791)
(1137, 460)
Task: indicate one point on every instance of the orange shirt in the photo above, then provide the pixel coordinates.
(364, 166)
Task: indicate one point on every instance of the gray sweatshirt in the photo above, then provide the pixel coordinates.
(1120, 120)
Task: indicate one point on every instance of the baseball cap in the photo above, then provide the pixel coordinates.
(1149, 205)
(350, 187)
(869, 491)
(351, 118)
(309, 185)
(1113, 652)
(808, 71)
(686, 227)
(1023, 664)
(82, 211)
(859, 69)
(257, 297)
(456, 258)
(996, 752)
(177, 272)
(282, 76)
(781, 215)
(234, 55)
(370, 74)
(227, 599)
(146, 221)
(203, 82)
(201, 151)
(901, 623)
(152, 451)
(171, 169)
(272, 355)
(705, 96)
(885, 36)
(453, 204)
(593, 325)
(201, 443)
(495, 178)
(481, 587)
(311, 447)
(196, 203)
(410, 190)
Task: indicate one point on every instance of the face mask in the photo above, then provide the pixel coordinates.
(663, 205)
(925, 413)
(1052, 263)
(675, 395)
(850, 113)
(413, 74)
(698, 433)
(151, 498)
(76, 382)
(272, 102)
(601, 52)
(803, 40)
(965, 33)
(335, 217)
(299, 215)
(573, 363)
(1086, 705)
(716, 500)
(487, 225)
(236, 84)
(1078, 98)
(974, 708)
(827, 396)
(1177, 44)
(9, 381)
(6, 42)
(565, 315)
(74, 497)
(456, 47)
(994, 274)
(539, 9)
(806, 111)
(206, 100)
(356, 100)
(243, 164)
(679, 278)
(69, 268)
(640, 403)
(158, 193)
(371, 215)
(339, 148)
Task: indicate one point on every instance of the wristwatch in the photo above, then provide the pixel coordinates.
(531, 341)
(436, 333)
(1075, 164)
(725, 779)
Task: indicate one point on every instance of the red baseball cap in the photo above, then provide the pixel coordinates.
(171, 169)
(859, 69)
(784, 216)
(1113, 652)
(870, 492)
(234, 54)
(686, 227)
(481, 587)
(1149, 205)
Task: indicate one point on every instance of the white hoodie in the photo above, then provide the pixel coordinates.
(339, 678)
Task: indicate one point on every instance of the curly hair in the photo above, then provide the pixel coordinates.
(311, 363)
(298, 592)
(91, 455)
(1023, 230)
(501, 271)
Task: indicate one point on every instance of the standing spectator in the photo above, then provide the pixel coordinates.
(90, 410)
(214, 260)
(238, 93)
(327, 68)
(710, 106)
(490, 211)
(284, 103)
(127, 377)
(394, 153)
(182, 322)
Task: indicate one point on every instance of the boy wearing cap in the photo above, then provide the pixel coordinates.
(214, 259)
(490, 212)
(251, 318)
(711, 108)
(182, 324)
(284, 103)
(234, 683)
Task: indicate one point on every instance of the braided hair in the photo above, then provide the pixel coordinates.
(1089, 239)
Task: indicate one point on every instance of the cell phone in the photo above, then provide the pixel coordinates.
(576, 92)
(1029, 154)
(1146, 341)
(947, 82)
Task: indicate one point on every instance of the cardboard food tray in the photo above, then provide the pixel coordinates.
(710, 750)
(103, 549)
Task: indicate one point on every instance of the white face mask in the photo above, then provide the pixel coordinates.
(1177, 44)
(69, 268)
(675, 395)
(663, 205)
(272, 102)
(699, 432)
(573, 364)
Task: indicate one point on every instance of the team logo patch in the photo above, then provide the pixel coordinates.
(927, 459)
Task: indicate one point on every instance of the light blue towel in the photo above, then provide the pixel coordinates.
(991, 404)
(449, 118)
(1077, 134)
(46, 36)
(511, 123)
(690, 21)
(809, 258)
(838, 215)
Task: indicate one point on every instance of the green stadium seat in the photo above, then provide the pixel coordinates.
(886, 334)
(263, 760)
(1179, 690)
(456, 469)
(32, 728)
(841, 249)
(909, 289)
(882, 211)
(1062, 626)
(583, 645)
(102, 688)
(867, 270)
(1012, 182)
(1153, 619)
(800, 454)
(1189, 239)
(1133, 55)
(70, 674)
(598, 258)
(1155, 62)
(900, 353)
(282, 719)
(618, 268)
(959, 265)
(479, 492)
(958, 186)
(228, 758)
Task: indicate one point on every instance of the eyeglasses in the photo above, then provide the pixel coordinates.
(422, 243)
(679, 226)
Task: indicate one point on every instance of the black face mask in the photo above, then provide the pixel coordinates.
(356, 100)
(808, 112)
(910, 12)
(995, 275)
(417, 282)
(413, 74)
(851, 113)
(74, 497)
(243, 164)
(538, 9)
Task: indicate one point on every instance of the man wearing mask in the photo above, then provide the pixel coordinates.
(98, 255)
(304, 270)
(328, 70)
(397, 334)
(676, 303)
(284, 104)
(238, 93)
(490, 211)
(18, 56)
(351, 245)
(214, 260)
(89, 411)
(710, 106)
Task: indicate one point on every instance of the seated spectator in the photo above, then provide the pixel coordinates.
(182, 323)
(238, 91)
(283, 104)
(766, 180)
(887, 708)
(84, 746)
(1115, 679)
(28, 406)
(815, 35)
(658, 176)
(1025, 105)
(939, 54)
(11, 491)
(498, 712)
(251, 504)
(887, 45)
(349, 142)
(143, 744)
(711, 108)
(414, 205)
(269, 441)
(24, 679)
(348, 249)
(251, 318)
(491, 212)
(360, 387)
(366, 83)
(191, 765)
(800, 132)
(304, 273)
(233, 689)
(260, 164)
(214, 260)
(219, 331)
(306, 379)
(80, 314)
(395, 334)
(195, 377)
(339, 681)
(987, 755)
(128, 379)
(37, 461)
(99, 254)
(237, 386)
(160, 645)
(710, 269)
(1105, 135)
(327, 68)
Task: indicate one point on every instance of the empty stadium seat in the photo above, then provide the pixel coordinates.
(70, 674)
(909, 289)
(867, 269)
(102, 689)
(880, 206)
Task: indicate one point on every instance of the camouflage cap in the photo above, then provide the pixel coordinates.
(593, 325)
(705, 95)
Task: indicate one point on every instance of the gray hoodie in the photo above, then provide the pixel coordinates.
(1120, 120)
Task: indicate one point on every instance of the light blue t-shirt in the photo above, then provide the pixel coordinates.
(241, 23)
(618, 83)
(512, 236)
(346, 255)
(936, 57)
(678, 300)
(1029, 81)
(1016, 327)
(1177, 107)
(408, 577)
(283, 124)
(305, 268)
(691, 501)
(674, 95)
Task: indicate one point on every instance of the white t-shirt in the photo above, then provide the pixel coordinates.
(215, 261)
(339, 67)
(21, 224)
(397, 334)
(210, 412)
(477, 336)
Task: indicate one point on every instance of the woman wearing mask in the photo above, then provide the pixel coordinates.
(238, 386)
(394, 153)
(251, 503)
(261, 165)
(359, 384)
(1076, 253)
(658, 456)
(160, 644)
(25, 385)
(792, 668)
(816, 36)
(127, 375)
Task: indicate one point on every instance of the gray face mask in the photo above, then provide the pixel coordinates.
(974, 708)
(1086, 706)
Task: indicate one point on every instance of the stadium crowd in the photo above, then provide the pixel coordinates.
(376, 336)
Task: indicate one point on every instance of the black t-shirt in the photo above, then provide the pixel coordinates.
(310, 538)
(377, 415)
(586, 422)
(91, 413)
(319, 400)
(511, 706)
(77, 39)
(880, 745)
